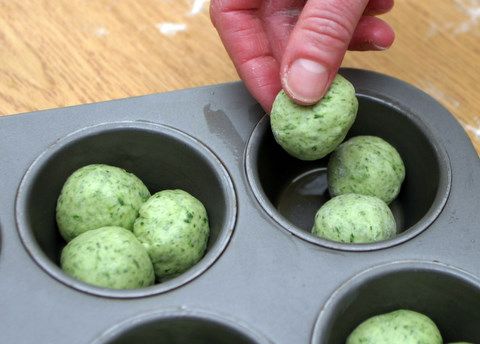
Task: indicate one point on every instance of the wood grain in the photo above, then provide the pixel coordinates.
(68, 52)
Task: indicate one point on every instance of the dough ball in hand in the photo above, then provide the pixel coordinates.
(312, 132)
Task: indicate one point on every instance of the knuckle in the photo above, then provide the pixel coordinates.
(327, 30)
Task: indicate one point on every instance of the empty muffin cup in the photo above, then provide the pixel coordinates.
(162, 157)
(291, 191)
(181, 327)
(448, 296)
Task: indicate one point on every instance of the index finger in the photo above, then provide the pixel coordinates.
(242, 33)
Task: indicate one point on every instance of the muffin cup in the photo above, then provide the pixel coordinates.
(447, 295)
(182, 327)
(291, 190)
(162, 157)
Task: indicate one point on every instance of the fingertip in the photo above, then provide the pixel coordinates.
(261, 77)
(372, 33)
(317, 47)
(266, 99)
(376, 7)
(305, 81)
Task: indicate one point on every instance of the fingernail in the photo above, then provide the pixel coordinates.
(379, 47)
(305, 81)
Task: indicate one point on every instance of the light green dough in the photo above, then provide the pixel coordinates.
(354, 218)
(109, 257)
(312, 132)
(173, 227)
(398, 327)
(366, 165)
(96, 196)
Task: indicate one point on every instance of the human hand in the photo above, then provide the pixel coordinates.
(297, 44)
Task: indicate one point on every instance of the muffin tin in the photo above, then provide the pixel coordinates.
(264, 278)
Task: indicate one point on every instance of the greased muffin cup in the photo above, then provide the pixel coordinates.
(447, 295)
(162, 157)
(264, 277)
(181, 326)
(293, 196)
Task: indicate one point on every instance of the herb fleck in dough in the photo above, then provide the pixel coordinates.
(109, 257)
(312, 132)
(354, 218)
(366, 165)
(398, 327)
(173, 227)
(96, 196)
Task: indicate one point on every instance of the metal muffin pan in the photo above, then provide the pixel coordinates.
(264, 279)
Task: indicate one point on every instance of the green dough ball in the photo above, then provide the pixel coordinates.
(354, 218)
(109, 257)
(399, 327)
(96, 196)
(366, 165)
(173, 227)
(311, 132)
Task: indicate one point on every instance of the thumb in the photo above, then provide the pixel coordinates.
(316, 47)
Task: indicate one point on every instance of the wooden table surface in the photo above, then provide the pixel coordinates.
(55, 53)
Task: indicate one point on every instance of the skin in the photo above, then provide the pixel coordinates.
(312, 132)
(354, 219)
(366, 165)
(173, 227)
(108, 257)
(297, 45)
(96, 196)
(398, 327)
